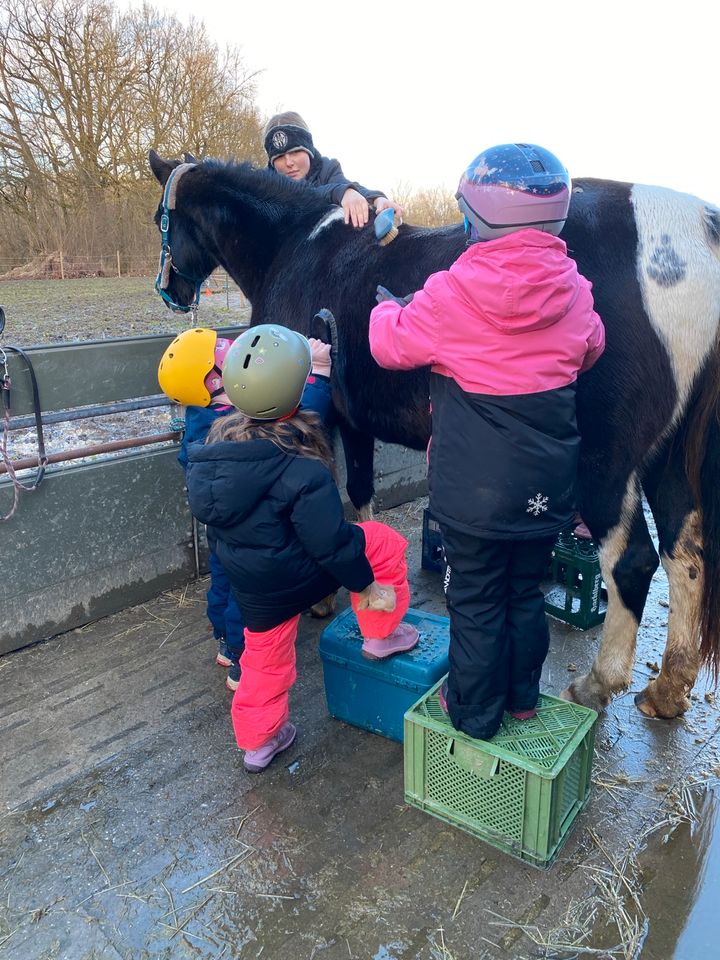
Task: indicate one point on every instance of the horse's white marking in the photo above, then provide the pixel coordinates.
(685, 577)
(337, 214)
(616, 656)
(679, 277)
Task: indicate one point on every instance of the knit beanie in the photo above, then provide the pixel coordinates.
(285, 139)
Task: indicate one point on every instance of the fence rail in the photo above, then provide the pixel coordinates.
(61, 266)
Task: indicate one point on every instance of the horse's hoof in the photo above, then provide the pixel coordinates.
(650, 704)
(587, 693)
(644, 705)
(323, 608)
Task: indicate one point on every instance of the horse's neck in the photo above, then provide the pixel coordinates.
(249, 240)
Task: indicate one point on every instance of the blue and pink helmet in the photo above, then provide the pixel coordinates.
(511, 187)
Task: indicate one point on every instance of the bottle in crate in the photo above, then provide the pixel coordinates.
(432, 549)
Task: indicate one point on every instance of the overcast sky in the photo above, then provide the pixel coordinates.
(621, 90)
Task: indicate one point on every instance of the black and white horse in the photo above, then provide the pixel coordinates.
(649, 411)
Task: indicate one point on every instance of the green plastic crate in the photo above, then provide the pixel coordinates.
(577, 596)
(520, 791)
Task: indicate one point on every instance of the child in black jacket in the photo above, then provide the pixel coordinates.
(263, 485)
(190, 373)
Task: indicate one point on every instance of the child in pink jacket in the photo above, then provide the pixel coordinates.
(506, 331)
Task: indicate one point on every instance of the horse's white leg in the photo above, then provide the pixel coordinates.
(668, 695)
(366, 512)
(628, 561)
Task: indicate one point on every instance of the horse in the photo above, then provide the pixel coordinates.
(648, 411)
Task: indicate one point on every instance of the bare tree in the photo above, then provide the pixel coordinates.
(85, 90)
(434, 207)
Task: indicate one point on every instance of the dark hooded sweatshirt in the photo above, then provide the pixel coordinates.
(278, 526)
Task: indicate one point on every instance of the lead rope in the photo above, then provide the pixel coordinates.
(5, 385)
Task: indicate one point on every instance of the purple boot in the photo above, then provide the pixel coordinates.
(257, 760)
(403, 638)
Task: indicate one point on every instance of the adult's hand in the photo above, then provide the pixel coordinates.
(382, 203)
(355, 208)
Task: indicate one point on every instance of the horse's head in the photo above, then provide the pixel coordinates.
(185, 261)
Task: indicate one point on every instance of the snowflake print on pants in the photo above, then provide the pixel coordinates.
(537, 505)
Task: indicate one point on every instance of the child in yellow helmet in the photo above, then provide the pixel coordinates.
(190, 373)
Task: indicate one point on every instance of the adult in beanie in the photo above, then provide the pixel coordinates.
(292, 153)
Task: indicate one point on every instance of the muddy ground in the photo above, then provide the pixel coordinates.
(129, 828)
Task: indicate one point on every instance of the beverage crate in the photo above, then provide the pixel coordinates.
(577, 595)
(432, 557)
(374, 694)
(520, 791)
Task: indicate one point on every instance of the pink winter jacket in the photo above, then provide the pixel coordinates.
(510, 316)
(506, 331)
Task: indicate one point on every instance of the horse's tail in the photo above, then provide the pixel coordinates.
(702, 461)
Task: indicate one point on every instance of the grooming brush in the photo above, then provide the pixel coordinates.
(386, 226)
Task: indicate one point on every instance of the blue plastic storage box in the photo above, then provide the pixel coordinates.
(374, 694)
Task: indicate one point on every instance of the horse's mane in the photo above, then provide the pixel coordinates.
(234, 178)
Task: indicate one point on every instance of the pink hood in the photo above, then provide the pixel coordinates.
(511, 315)
(528, 282)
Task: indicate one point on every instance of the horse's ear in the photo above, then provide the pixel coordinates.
(189, 158)
(161, 168)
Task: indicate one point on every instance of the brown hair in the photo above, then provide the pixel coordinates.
(301, 435)
(289, 117)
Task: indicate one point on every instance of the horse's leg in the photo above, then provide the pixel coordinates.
(628, 561)
(323, 608)
(359, 451)
(681, 553)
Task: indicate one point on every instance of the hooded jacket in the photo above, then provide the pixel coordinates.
(327, 176)
(506, 330)
(277, 523)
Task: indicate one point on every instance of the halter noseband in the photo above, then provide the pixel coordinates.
(166, 260)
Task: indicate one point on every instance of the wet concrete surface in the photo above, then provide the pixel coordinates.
(129, 828)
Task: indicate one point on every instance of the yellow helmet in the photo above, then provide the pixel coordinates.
(185, 365)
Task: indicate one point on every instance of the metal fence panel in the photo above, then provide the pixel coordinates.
(90, 372)
(93, 538)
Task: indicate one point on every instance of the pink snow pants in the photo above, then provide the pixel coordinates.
(260, 705)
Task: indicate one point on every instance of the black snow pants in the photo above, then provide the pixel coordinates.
(498, 633)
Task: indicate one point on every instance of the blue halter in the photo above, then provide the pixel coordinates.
(166, 261)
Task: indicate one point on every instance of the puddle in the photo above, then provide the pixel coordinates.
(678, 888)
(681, 896)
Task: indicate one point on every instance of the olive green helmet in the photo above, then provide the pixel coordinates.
(265, 371)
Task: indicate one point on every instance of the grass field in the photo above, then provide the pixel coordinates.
(58, 311)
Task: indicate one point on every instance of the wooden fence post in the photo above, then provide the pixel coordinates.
(62, 266)
(118, 262)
